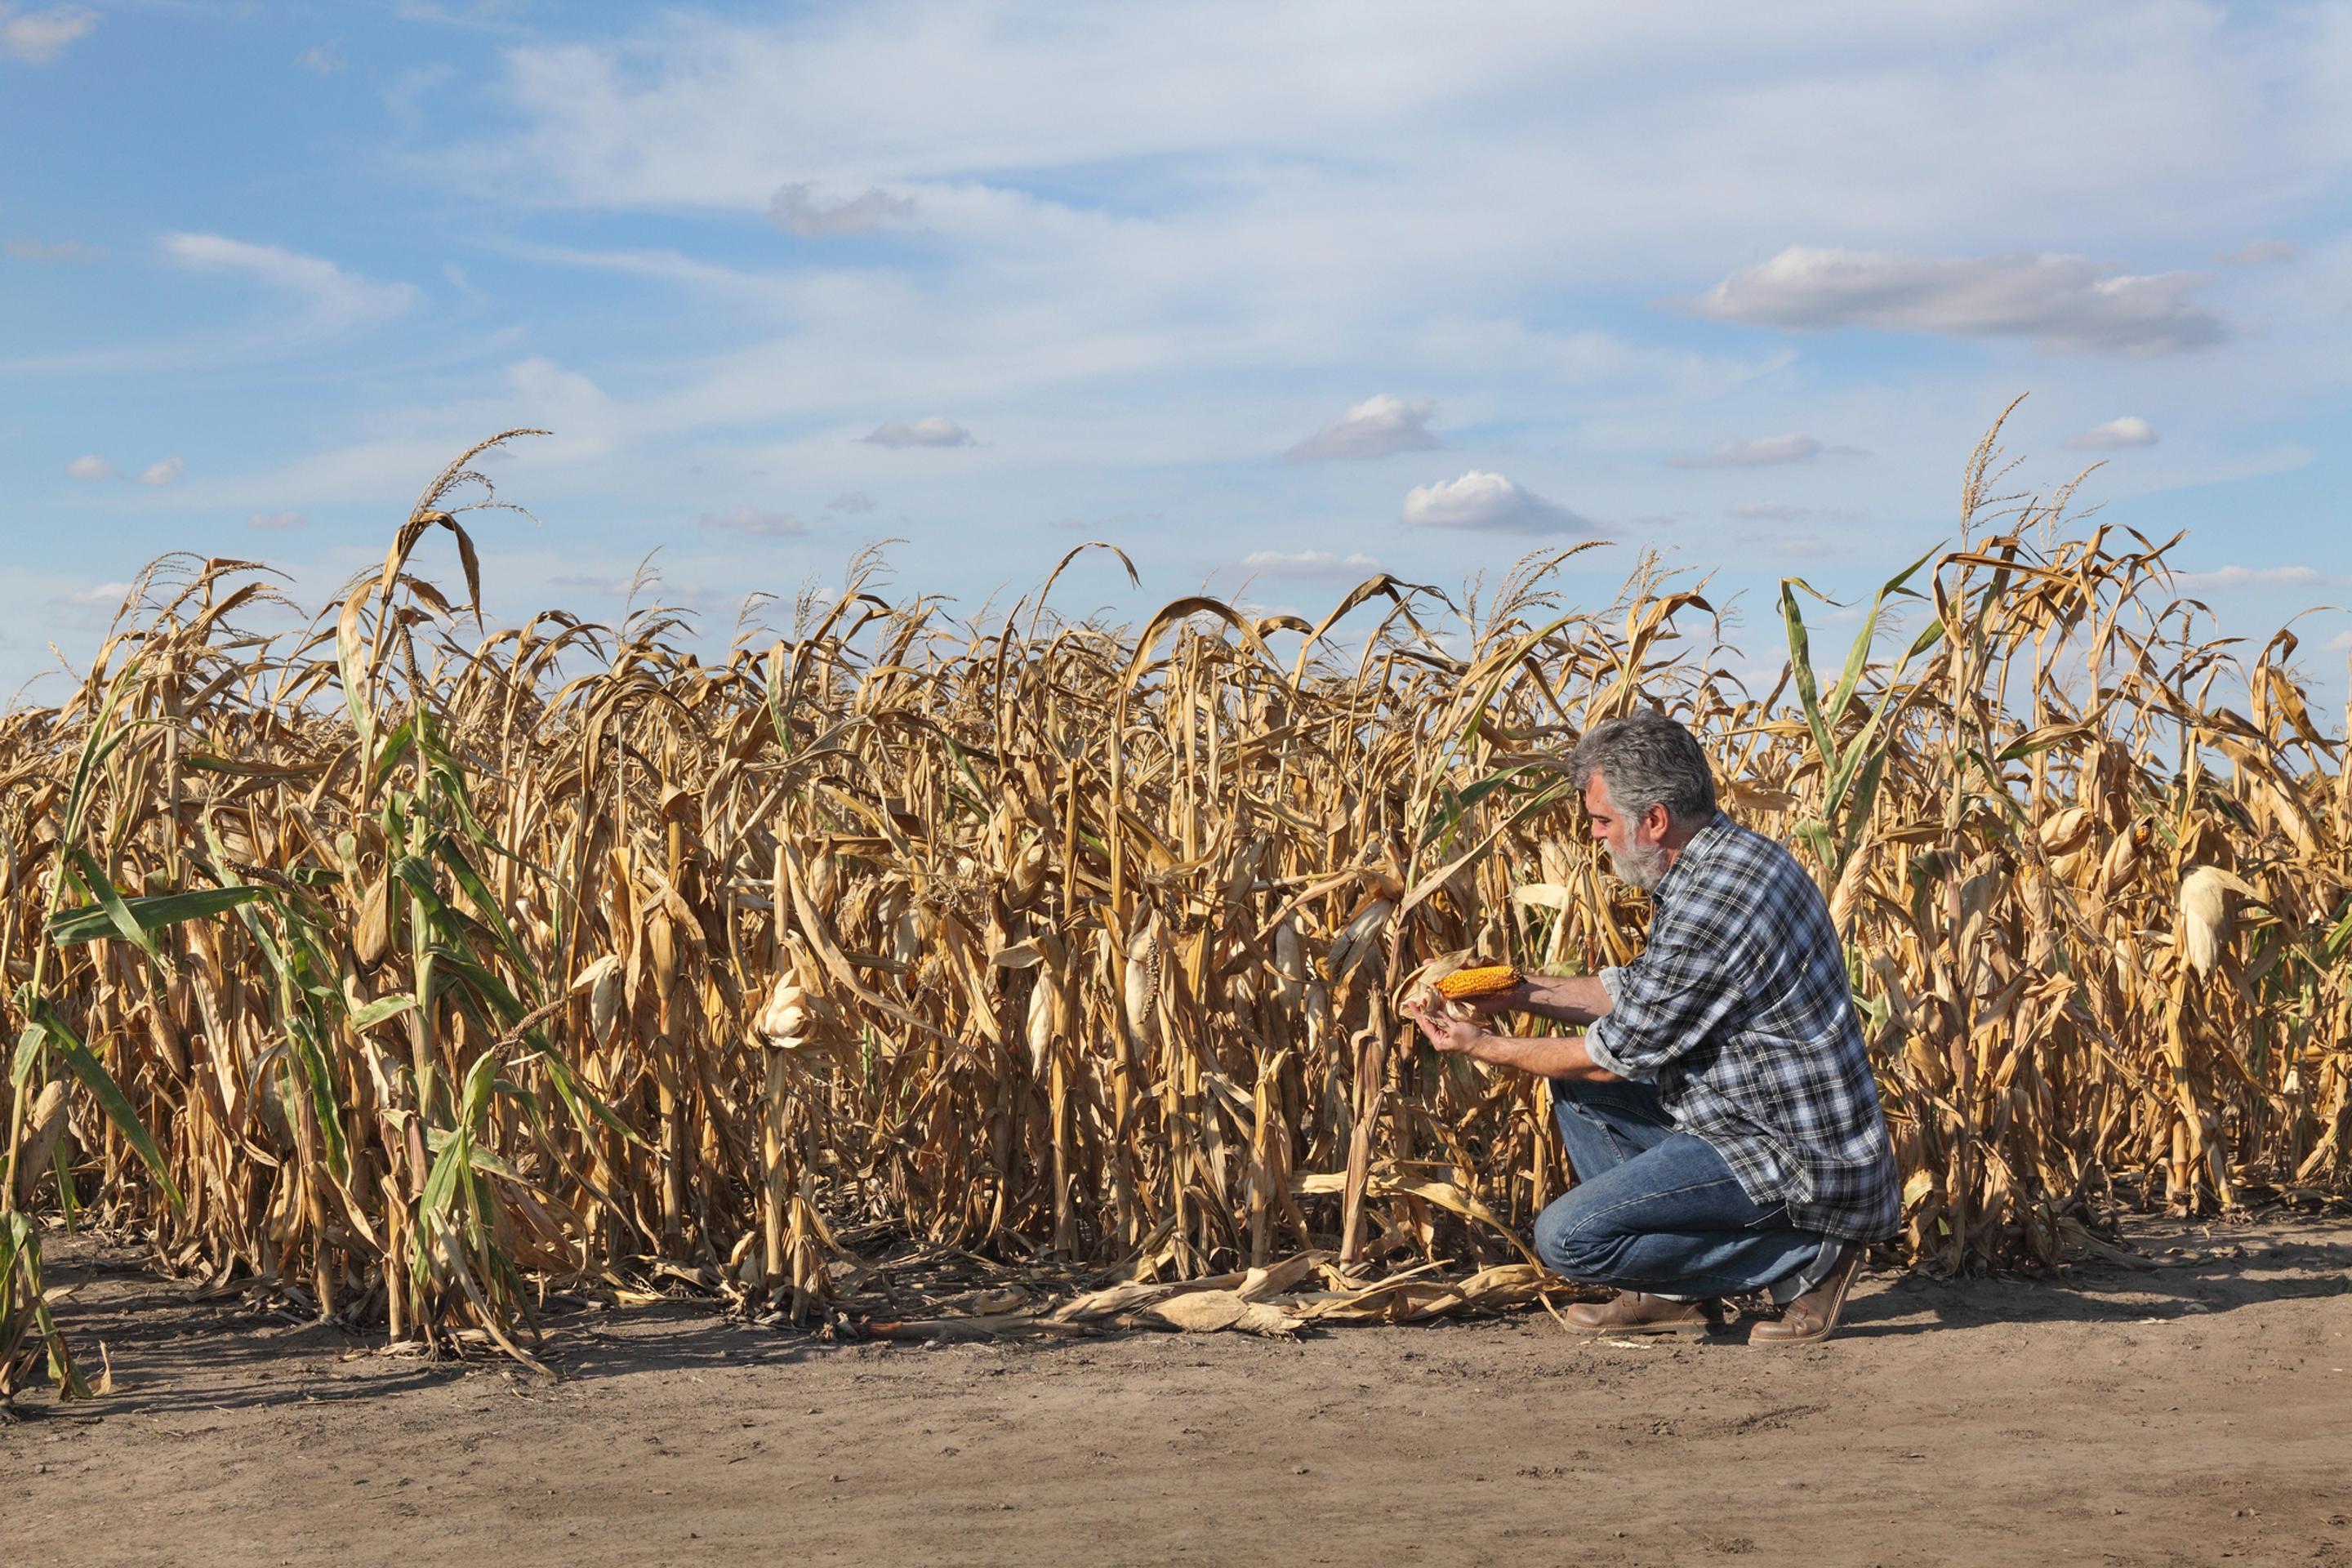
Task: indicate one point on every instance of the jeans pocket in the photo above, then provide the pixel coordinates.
(1774, 1219)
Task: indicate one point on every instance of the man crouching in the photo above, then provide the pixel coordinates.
(1718, 1109)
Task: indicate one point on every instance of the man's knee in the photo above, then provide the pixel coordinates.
(1571, 1240)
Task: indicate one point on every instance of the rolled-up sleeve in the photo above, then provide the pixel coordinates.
(1667, 1002)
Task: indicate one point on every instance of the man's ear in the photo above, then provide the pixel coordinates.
(1657, 821)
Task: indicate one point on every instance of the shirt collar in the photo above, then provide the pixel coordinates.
(1701, 844)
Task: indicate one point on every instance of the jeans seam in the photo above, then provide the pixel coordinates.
(1666, 1192)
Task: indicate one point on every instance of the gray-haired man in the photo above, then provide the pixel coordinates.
(1718, 1108)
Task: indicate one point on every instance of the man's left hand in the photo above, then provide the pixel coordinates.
(1455, 1037)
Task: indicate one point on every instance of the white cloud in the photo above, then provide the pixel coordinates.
(2340, 643)
(321, 59)
(2130, 430)
(795, 211)
(2262, 252)
(1306, 563)
(51, 250)
(106, 595)
(1788, 547)
(166, 472)
(851, 504)
(650, 588)
(1764, 451)
(1373, 428)
(757, 524)
(336, 299)
(38, 38)
(276, 519)
(935, 431)
(2259, 577)
(2063, 302)
(1769, 511)
(1488, 503)
(90, 466)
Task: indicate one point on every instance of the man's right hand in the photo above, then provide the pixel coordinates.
(1486, 1006)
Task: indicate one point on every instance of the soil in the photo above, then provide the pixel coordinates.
(2198, 1412)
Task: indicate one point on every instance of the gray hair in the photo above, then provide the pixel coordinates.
(1646, 759)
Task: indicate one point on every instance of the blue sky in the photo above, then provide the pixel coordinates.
(1266, 294)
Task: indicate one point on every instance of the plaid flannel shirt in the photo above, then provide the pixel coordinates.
(1738, 1010)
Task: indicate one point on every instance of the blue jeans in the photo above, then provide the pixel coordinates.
(1659, 1211)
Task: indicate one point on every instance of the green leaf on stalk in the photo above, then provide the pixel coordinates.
(108, 1095)
(1801, 666)
(320, 1080)
(28, 1051)
(149, 913)
(447, 850)
(396, 744)
(93, 880)
(377, 1011)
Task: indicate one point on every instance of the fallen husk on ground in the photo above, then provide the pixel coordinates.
(1307, 1289)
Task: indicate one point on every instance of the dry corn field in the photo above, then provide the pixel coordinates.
(417, 967)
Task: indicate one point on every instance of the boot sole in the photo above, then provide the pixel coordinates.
(1653, 1331)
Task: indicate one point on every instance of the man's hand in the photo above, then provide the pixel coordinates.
(1556, 1056)
(1455, 1037)
(1487, 1006)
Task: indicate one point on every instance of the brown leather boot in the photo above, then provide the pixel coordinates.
(1814, 1316)
(1633, 1312)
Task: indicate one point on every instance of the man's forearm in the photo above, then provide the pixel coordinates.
(1576, 999)
(1553, 1056)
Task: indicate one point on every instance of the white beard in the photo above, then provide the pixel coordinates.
(1642, 866)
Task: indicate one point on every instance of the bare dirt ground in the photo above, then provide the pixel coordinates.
(2200, 1413)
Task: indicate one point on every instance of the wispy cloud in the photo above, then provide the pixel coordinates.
(648, 588)
(851, 504)
(335, 298)
(274, 520)
(935, 431)
(1761, 453)
(36, 37)
(100, 595)
(90, 466)
(1787, 546)
(51, 250)
(1306, 563)
(1375, 427)
(1768, 512)
(756, 524)
(797, 210)
(2130, 430)
(2261, 577)
(1489, 503)
(321, 59)
(2063, 302)
(2263, 252)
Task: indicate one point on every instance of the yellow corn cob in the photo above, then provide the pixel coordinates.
(1481, 981)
